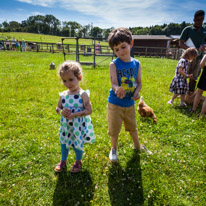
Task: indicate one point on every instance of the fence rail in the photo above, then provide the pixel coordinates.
(87, 50)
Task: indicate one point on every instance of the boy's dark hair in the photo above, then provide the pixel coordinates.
(199, 13)
(119, 35)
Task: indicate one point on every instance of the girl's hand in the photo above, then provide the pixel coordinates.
(190, 76)
(66, 113)
(120, 92)
(71, 116)
(202, 48)
(136, 96)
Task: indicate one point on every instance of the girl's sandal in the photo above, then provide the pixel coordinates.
(77, 166)
(60, 166)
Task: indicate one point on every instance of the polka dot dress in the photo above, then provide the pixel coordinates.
(79, 130)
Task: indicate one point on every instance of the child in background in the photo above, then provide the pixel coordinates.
(125, 76)
(179, 84)
(74, 107)
(201, 87)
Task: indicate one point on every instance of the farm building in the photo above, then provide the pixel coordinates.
(151, 45)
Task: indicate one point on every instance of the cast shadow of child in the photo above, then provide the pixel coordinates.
(73, 189)
(125, 185)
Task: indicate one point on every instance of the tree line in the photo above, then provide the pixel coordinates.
(50, 25)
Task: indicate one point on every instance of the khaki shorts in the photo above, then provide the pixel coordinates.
(116, 115)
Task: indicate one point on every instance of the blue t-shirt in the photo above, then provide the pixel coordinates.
(126, 74)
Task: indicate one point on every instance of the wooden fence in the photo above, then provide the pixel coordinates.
(89, 50)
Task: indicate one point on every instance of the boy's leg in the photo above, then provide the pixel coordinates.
(135, 139)
(114, 141)
(130, 124)
(114, 118)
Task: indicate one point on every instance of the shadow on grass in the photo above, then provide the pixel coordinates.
(187, 111)
(73, 189)
(125, 185)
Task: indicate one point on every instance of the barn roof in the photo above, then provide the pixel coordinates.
(151, 37)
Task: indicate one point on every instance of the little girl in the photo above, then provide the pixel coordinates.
(74, 107)
(179, 84)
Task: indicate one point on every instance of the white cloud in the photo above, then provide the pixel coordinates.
(45, 3)
(38, 13)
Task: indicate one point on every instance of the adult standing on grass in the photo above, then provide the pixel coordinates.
(201, 87)
(125, 76)
(13, 44)
(74, 107)
(194, 36)
(7, 44)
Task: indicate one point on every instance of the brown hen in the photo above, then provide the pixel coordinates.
(146, 111)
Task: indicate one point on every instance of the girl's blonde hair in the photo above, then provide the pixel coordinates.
(75, 67)
(189, 52)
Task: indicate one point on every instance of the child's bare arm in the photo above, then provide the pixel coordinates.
(139, 84)
(180, 70)
(202, 63)
(119, 91)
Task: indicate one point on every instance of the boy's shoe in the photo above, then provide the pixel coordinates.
(113, 155)
(143, 148)
(60, 166)
(170, 102)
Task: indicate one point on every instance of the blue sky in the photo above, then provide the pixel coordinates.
(104, 13)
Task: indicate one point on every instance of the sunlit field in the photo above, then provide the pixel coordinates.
(173, 175)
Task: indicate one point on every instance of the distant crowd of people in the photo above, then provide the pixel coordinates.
(13, 44)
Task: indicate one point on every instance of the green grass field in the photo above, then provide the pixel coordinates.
(174, 175)
(43, 38)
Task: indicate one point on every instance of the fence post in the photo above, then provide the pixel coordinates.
(94, 53)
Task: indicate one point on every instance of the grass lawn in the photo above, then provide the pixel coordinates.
(43, 38)
(174, 175)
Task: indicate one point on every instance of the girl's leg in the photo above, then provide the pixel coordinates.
(78, 154)
(62, 164)
(78, 163)
(64, 152)
(172, 99)
(197, 99)
(174, 96)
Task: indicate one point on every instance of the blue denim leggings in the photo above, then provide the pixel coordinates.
(65, 152)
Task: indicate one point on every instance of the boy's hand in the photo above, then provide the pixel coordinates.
(136, 96)
(66, 113)
(120, 92)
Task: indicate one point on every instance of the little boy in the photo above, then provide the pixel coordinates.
(125, 76)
